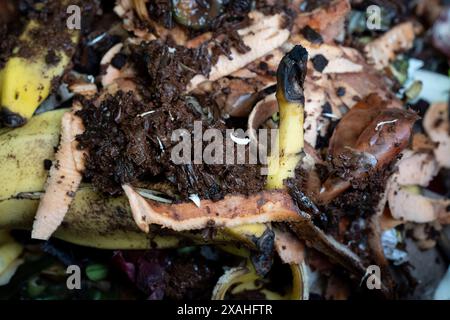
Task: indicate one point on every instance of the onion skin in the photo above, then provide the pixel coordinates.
(388, 141)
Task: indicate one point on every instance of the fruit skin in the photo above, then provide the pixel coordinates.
(290, 78)
(248, 234)
(92, 220)
(242, 278)
(23, 151)
(26, 82)
(10, 250)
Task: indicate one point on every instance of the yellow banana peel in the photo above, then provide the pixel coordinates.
(10, 250)
(287, 153)
(25, 82)
(245, 278)
(23, 151)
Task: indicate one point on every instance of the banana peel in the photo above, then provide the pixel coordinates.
(94, 220)
(10, 250)
(286, 156)
(4, 236)
(245, 278)
(1, 81)
(25, 82)
(287, 153)
(248, 233)
(23, 151)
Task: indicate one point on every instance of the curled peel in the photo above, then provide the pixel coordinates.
(384, 49)
(65, 177)
(233, 210)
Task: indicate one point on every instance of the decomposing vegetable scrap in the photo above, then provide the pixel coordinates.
(229, 212)
(369, 137)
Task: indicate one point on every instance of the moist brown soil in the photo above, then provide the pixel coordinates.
(190, 278)
(359, 203)
(51, 33)
(167, 68)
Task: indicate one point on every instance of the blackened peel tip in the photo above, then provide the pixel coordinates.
(291, 74)
(11, 119)
(298, 54)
